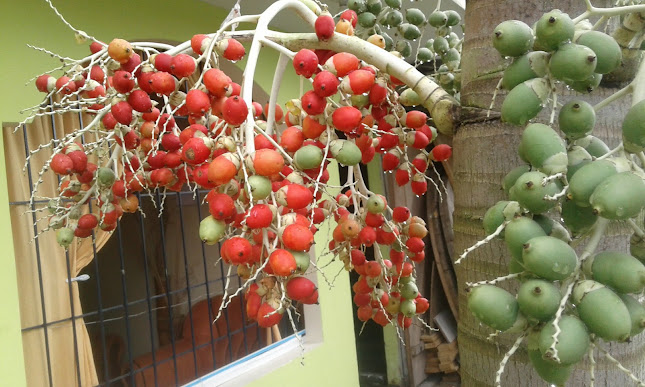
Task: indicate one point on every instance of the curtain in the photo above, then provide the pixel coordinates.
(45, 295)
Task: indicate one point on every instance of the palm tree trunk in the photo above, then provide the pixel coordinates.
(484, 151)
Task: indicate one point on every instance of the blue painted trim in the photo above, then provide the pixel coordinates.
(246, 358)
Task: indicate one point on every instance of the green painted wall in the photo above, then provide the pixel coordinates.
(33, 22)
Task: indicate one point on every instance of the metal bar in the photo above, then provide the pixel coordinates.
(242, 309)
(225, 313)
(38, 263)
(148, 297)
(190, 302)
(165, 263)
(99, 297)
(124, 288)
(70, 284)
(118, 307)
(71, 307)
(211, 315)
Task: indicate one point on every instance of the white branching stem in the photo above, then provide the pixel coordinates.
(225, 296)
(494, 281)
(638, 96)
(254, 52)
(611, 152)
(277, 146)
(614, 97)
(283, 60)
(507, 356)
(621, 367)
(613, 11)
(492, 101)
(551, 178)
(636, 228)
(482, 242)
(77, 31)
(558, 195)
(592, 364)
(597, 235)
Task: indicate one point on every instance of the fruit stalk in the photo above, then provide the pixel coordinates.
(617, 95)
(275, 88)
(592, 364)
(482, 242)
(597, 235)
(494, 281)
(261, 30)
(442, 106)
(639, 85)
(621, 367)
(507, 356)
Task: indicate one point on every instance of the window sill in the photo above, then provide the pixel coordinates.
(257, 364)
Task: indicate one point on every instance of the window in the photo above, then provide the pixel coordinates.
(134, 307)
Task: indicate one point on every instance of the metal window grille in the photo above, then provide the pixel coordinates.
(136, 315)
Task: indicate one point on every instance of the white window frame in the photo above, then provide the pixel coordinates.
(265, 360)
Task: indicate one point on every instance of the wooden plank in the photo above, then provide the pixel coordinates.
(448, 347)
(448, 368)
(440, 250)
(431, 345)
(447, 357)
(434, 336)
(433, 370)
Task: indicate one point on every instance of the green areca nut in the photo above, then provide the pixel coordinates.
(583, 183)
(437, 19)
(576, 218)
(512, 38)
(493, 306)
(409, 31)
(572, 62)
(595, 146)
(602, 311)
(606, 48)
(404, 47)
(424, 54)
(367, 19)
(586, 86)
(494, 217)
(511, 177)
(530, 191)
(440, 45)
(636, 313)
(620, 271)
(553, 29)
(619, 197)
(415, 16)
(538, 299)
(634, 128)
(525, 101)
(528, 66)
(573, 341)
(453, 18)
(577, 119)
(551, 373)
(544, 149)
(549, 258)
(519, 231)
(578, 158)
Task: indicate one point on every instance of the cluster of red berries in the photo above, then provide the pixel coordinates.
(265, 203)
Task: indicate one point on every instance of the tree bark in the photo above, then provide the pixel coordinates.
(484, 151)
